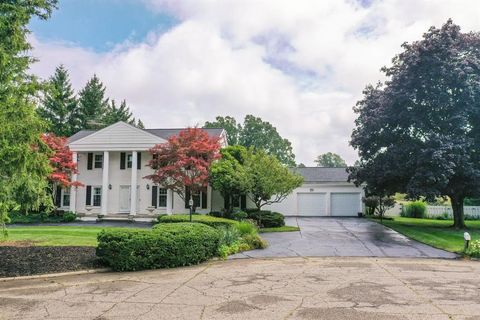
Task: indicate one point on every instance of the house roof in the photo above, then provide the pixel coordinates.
(322, 174)
(162, 133)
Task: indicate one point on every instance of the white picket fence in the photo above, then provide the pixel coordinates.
(437, 210)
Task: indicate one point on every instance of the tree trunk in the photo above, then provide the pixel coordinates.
(458, 216)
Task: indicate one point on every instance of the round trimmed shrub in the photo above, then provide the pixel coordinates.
(267, 219)
(165, 246)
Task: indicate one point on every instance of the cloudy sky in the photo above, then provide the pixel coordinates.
(300, 65)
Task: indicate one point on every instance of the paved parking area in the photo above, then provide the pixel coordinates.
(330, 288)
(344, 237)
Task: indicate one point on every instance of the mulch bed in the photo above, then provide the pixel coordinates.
(17, 260)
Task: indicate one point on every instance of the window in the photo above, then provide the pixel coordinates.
(66, 197)
(129, 160)
(199, 200)
(98, 163)
(162, 198)
(97, 196)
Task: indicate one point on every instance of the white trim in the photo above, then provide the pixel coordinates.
(133, 184)
(73, 190)
(106, 162)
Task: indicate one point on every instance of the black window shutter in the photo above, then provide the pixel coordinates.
(187, 197)
(243, 202)
(90, 161)
(88, 201)
(122, 160)
(154, 196)
(139, 160)
(204, 199)
(226, 202)
(58, 197)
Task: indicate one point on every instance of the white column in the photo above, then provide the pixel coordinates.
(105, 183)
(169, 201)
(133, 185)
(73, 190)
(329, 203)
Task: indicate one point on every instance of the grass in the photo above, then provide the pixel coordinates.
(437, 233)
(280, 229)
(55, 236)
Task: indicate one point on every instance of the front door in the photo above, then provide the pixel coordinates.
(124, 198)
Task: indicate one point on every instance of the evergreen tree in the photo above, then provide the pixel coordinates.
(115, 114)
(140, 124)
(92, 104)
(24, 160)
(59, 105)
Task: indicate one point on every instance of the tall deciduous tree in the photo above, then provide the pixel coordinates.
(258, 134)
(21, 167)
(59, 107)
(419, 132)
(184, 161)
(331, 160)
(230, 125)
(93, 104)
(272, 181)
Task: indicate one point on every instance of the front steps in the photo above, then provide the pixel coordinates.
(119, 217)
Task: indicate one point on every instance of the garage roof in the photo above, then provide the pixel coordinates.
(322, 174)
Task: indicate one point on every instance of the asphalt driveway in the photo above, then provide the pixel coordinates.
(283, 288)
(344, 237)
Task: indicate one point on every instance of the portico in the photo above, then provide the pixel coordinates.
(112, 163)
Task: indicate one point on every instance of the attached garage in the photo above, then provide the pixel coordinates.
(312, 204)
(345, 204)
(326, 192)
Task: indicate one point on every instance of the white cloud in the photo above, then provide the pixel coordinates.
(299, 64)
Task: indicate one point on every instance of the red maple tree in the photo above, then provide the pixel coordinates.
(184, 161)
(61, 161)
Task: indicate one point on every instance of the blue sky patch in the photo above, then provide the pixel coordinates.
(101, 25)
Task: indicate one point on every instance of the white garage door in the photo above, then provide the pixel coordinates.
(345, 204)
(311, 204)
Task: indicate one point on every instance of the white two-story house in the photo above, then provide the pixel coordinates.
(112, 164)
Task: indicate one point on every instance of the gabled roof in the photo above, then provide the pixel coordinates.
(161, 133)
(322, 174)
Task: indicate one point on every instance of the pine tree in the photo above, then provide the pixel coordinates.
(115, 114)
(59, 105)
(92, 104)
(140, 124)
(24, 161)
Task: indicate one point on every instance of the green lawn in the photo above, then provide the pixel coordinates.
(56, 236)
(437, 233)
(280, 229)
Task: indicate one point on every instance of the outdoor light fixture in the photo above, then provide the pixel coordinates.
(148, 186)
(109, 187)
(467, 238)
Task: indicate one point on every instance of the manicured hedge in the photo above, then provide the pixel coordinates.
(200, 218)
(267, 219)
(165, 246)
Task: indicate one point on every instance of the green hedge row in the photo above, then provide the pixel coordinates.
(165, 246)
(200, 218)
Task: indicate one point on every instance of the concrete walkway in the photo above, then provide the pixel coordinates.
(344, 237)
(289, 288)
